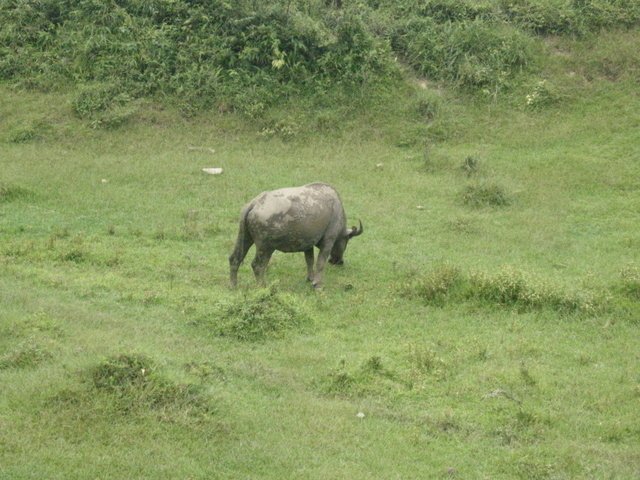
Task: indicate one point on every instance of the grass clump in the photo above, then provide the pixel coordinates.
(23, 135)
(542, 95)
(437, 286)
(631, 281)
(103, 105)
(425, 361)
(134, 382)
(261, 315)
(509, 288)
(27, 355)
(486, 194)
(9, 193)
(371, 378)
(512, 288)
(470, 165)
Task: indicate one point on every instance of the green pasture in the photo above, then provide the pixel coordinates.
(485, 325)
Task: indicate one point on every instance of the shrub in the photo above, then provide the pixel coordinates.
(593, 15)
(23, 135)
(426, 361)
(454, 10)
(122, 372)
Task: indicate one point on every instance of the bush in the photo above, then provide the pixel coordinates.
(97, 98)
(470, 165)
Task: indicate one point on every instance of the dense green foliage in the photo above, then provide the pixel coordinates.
(248, 55)
(242, 56)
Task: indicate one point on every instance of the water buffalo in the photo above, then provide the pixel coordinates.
(293, 220)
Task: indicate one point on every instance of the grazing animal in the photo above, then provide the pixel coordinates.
(293, 219)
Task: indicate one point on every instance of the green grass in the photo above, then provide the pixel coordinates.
(113, 259)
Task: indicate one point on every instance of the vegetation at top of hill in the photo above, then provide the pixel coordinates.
(247, 56)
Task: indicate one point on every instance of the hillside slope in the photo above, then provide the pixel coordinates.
(485, 325)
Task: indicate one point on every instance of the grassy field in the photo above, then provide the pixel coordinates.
(485, 325)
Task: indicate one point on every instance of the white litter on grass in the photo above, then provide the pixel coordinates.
(379, 165)
(104, 180)
(419, 207)
(360, 415)
(212, 170)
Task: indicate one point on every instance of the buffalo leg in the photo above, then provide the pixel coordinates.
(243, 244)
(260, 263)
(308, 257)
(320, 263)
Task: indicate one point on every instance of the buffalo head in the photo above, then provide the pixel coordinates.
(339, 247)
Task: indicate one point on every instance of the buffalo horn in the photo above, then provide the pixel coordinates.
(356, 231)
